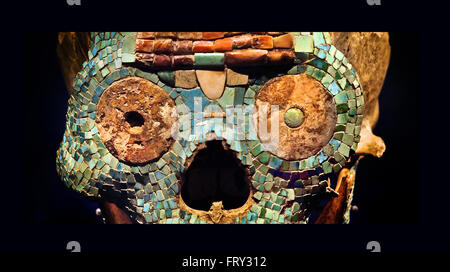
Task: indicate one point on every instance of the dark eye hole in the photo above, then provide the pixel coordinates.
(215, 175)
(134, 118)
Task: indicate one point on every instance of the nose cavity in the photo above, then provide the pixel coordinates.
(212, 83)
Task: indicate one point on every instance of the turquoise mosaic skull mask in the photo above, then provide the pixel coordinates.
(212, 127)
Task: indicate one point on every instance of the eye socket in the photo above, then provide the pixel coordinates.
(134, 120)
(307, 115)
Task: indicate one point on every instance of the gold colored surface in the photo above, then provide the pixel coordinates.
(217, 214)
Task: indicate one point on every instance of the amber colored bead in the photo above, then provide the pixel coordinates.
(213, 35)
(163, 46)
(203, 46)
(146, 35)
(283, 41)
(242, 41)
(182, 47)
(246, 57)
(223, 45)
(165, 34)
(262, 42)
(144, 45)
(189, 35)
(280, 56)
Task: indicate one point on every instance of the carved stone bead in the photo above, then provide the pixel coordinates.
(280, 56)
(145, 58)
(146, 35)
(213, 35)
(283, 41)
(189, 35)
(144, 45)
(262, 42)
(203, 47)
(183, 61)
(165, 34)
(246, 57)
(182, 47)
(223, 45)
(162, 46)
(242, 41)
(162, 61)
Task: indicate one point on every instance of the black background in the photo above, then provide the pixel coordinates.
(402, 197)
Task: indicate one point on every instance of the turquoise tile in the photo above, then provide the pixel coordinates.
(318, 38)
(335, 143)
(303, 44)
(227, 98)
(167, 77)
(334, 88)
(239, 95)
(275, 162)
(129, 43)
(209, 59)
(341, 98)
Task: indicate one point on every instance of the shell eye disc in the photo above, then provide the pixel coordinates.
(307, 114)
(134, 121)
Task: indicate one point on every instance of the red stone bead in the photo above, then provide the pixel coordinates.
(280, 56)
(242, 41)
(165, 34)
(246, 57)
(262, 42)
(146, 35)
(163, 46)
(183, 61)
(283, 41)
(213, 35)
(189, 35)
(203, 46)
(223, 45)
(182, 47)
(162, 61)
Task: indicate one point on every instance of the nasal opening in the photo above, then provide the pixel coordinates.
(215, 174)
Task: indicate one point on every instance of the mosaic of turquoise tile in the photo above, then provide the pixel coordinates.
(150, 193)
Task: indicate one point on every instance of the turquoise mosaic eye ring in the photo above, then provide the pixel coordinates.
(282, 190)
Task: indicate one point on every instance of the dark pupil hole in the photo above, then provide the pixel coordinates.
(215, 175)
(134, 118)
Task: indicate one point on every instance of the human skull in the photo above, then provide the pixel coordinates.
(153, 132)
